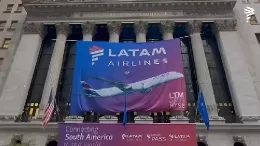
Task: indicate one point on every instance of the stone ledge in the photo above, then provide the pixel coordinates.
(250, 119)
(179, 119)
(108, 119)
(143, 119)
(216, 120)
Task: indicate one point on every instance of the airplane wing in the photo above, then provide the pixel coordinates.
(116, 84)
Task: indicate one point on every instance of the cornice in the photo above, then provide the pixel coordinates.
(128, 16)
(34, 6)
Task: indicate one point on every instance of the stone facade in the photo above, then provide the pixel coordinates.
(229, 26)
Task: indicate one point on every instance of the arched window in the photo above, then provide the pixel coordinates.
(52, 143)
(33, 100)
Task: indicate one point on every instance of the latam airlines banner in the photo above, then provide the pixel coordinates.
(135, 135)
(150, 75)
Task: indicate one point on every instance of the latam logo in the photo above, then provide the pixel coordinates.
(96, 52)
(249, 12)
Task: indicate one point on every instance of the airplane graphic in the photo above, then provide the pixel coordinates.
(143, 86)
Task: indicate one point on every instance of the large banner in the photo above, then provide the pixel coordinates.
(150, 75)
(134, 135)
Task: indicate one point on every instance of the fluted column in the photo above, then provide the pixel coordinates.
(201, 65)
(18, 81)
(140, 31)
(241, 85)
(53, 75)
(88, 30)
(167, 28)
(114, 29)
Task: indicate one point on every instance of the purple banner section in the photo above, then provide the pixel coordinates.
(132, 135)
(149, 75)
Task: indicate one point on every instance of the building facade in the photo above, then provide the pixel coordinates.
(220, 51)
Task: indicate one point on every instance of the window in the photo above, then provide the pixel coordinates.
(13, 25)
(258, 37)
(6, 43)
(253, 20)
(9, 8)
(2, 25)
(64, 89)
(19, 8)
(33, 100)
(218, 76)
(127, 34)
(153, 32)
(189, 73)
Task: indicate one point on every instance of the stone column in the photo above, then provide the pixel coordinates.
(140, 31)
(202, 71)
(114, 29)
(53, 75)
(19, 78)
(88, 29)
(167, 28)
(240, 82)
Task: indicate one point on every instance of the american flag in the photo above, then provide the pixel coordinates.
(96, 52)
(49, 109)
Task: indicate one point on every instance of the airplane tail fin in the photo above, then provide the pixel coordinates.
(85, 85)
(89, 91)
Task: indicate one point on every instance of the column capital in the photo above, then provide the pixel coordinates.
(62, 28)
(34, 28)
(114, 27)
(167, 26)
(88, 27)
(141, 27)
(226, 25)
(194, 26)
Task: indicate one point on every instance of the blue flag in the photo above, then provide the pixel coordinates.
(203, 109)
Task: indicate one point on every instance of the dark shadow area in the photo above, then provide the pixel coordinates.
(201, 144)
(239, 144)
(52, 143)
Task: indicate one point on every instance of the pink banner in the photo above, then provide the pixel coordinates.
(132, 135)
